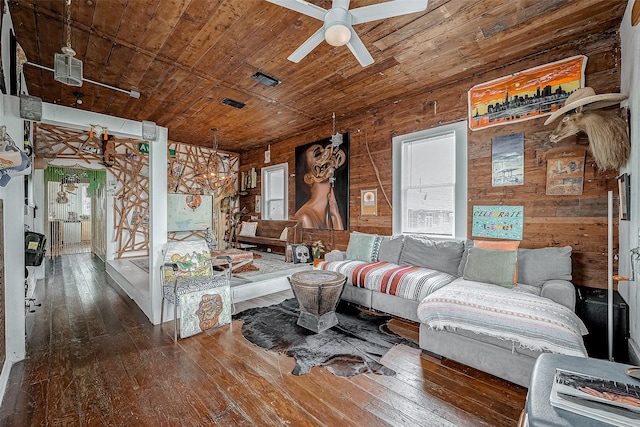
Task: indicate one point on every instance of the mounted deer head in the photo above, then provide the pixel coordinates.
(607, 133)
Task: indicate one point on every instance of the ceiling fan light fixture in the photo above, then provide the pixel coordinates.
(337, 26)
(337, 35)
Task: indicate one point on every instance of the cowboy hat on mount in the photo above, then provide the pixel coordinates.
(587, 99)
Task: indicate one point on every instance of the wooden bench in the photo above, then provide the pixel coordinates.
(268, 234)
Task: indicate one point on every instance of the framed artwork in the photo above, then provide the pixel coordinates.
(565, 176)
(624, 194)
(301, 254)
(526, 95)
(258, 203)
(369, 202)
(323, 166)
(203, 310)
(507, 160)
(499, 222)
(192, 257)
(189, 212)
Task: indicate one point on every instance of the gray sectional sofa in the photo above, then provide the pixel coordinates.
(431, 264)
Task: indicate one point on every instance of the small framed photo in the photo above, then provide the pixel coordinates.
(624, 193)
(369, 202)
(258, 203)
(301, 254)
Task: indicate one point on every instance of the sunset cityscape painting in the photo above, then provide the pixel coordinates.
(525, 95)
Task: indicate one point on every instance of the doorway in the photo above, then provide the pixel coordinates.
(72, 202)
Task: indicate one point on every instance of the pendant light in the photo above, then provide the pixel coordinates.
(67, 69)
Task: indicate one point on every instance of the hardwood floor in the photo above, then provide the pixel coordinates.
(93, 358)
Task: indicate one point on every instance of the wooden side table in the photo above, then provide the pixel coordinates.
(318, 293)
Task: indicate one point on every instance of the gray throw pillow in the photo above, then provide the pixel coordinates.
(363, 247)
(391, 249)
(441, 255)
(495, 266)
(536, 266)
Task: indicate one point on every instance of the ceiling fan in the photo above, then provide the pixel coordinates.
(339, 20)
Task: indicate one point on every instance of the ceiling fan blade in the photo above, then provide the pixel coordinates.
(358, 49)
(307, 46)
(386, 10)
(303, 7)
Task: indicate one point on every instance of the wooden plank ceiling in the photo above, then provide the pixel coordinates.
(184, 56)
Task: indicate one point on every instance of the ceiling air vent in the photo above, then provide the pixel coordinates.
(265, 79)
(233, 103)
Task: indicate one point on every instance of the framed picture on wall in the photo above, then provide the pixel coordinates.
(624, 193)
(565, 176)
(322, 184)
(369, 202)
(258, 202)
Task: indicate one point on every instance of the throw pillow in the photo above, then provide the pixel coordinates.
(391, 249)
(363, 247)
(503, 245)
(493, 266)
(301, 254)
(248, 229)
(283, 235)
(536, 266)
(436, 254)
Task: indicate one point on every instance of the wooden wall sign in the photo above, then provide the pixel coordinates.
(498, 222)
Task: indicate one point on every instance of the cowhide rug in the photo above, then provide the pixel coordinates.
(352, 347)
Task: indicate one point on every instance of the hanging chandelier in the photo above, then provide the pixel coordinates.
(216, 172)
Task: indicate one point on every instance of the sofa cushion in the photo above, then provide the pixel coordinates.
(391, 249)
(493, 266)
(405, 281)
(536, 266)
(363, 247)
(526, 320)
(441, 255)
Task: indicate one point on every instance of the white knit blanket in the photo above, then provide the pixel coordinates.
(529, 321)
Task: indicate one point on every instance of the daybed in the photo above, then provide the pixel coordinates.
(464, 298)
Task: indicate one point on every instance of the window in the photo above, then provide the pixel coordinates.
(274, 191)
(430, 182)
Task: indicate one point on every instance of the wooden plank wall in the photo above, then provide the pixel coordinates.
(578, 221)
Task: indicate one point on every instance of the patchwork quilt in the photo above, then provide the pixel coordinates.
(527, 320)
(406, 281)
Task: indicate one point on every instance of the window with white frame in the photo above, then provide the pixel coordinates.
(274, 191)
(430, 182)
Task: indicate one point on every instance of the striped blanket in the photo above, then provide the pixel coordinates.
(529, 321)
(406, 281)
